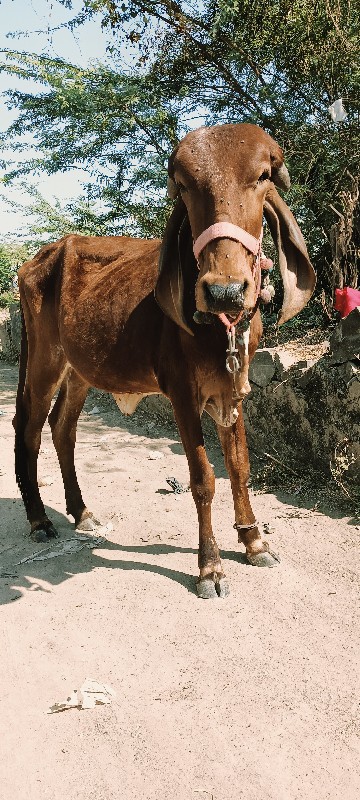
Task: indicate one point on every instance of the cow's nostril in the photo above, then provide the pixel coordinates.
(224, 298)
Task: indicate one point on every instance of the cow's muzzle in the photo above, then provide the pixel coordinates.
(228, 299)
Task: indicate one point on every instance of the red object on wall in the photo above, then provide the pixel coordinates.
(346, 300)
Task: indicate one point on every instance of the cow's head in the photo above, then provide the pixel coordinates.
(227, 175)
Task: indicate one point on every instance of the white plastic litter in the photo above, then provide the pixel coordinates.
(95, 410)
(47, 480)
(90, 525)
(90, 694)
(337, 111)
(154, 454)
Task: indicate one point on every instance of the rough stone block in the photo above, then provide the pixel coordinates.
(5, 337)
(350, 325)
(262, 368)
(345, 339)
(15, 326)
(284, 361)
(348, 372)
(354, 390)
(305, 376)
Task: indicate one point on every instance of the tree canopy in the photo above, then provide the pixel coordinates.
(279, 64)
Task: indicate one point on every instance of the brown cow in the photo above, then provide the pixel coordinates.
(92, 319)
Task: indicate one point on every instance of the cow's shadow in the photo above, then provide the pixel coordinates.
(15, 546)
(308, 499)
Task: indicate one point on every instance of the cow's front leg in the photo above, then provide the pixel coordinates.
(236, 455)
(211, 582)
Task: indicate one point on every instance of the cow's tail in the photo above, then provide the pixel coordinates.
(22, 365)
(20, 419)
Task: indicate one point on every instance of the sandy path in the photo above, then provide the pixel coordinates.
(253, 697)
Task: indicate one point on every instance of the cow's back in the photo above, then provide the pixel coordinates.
(96, 295)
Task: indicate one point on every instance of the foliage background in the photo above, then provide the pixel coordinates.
(279, 64)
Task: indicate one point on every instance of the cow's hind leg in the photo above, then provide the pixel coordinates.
(212, 582)
(35, 392)
(236, 455)
(63, 422)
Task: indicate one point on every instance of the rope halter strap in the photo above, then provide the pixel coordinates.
(226, 230)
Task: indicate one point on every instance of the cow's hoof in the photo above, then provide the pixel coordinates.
(92, 525)
(44, 532)
(222, 587)
(211, 587)
(206, 589)
(266, 559)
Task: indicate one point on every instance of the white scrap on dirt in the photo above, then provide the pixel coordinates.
(95, 410)
(155, 454)
(47, 480)
(90, 694)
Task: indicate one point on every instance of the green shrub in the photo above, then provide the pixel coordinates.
(6, 298)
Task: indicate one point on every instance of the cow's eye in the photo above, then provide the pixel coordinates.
(264, 176)
(181, 186)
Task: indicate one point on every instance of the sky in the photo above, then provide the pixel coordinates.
(32, 21)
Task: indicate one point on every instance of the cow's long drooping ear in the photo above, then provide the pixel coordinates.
(279, 173)
(296, 269)
(172, 188)
(175, 287)
(280, 176)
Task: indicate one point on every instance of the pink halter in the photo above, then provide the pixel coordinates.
(226, 230)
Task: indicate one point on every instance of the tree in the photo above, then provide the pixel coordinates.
(279, 64)
(107, 122)
(50, 221)
(47, 222)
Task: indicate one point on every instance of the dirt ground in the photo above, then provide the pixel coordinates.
(255, 696)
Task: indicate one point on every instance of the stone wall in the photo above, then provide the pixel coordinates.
(309, 411)
(10, 333)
